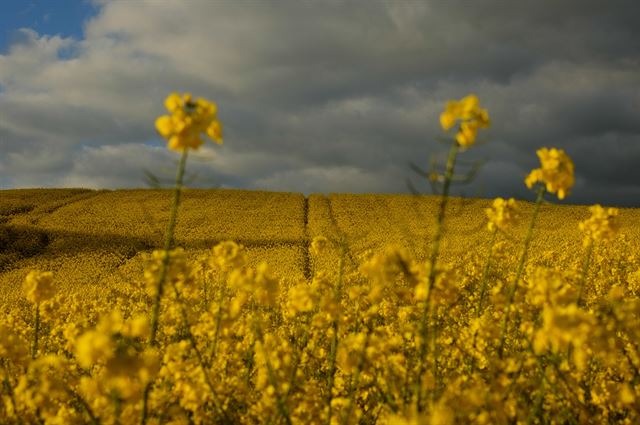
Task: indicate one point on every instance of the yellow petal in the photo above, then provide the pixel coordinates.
(164, 125)
(173, 102)
(214, 131)
(177, 143)
(447, 120)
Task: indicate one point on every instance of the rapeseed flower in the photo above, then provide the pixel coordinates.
(501, 214)
(601, 226)
(228, 255)
(556, 172)
(187, 121)
(38, 286)
(471, 118)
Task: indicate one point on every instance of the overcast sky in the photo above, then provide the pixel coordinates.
(320, 96)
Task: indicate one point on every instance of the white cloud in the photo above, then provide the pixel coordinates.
(314, 96)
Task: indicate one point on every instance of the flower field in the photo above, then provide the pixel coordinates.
(260, 307)
(96, 244)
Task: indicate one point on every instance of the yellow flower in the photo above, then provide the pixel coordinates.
(228, 255)
(187, 121)
(267, 287)
(601, 226)
(556, 172)
(38, 286)
(93, 347)
(472, 118)
(301, 299)
(12, 345)
(501, 214)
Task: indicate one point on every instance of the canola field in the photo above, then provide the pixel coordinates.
(97, 245)
(193, 306)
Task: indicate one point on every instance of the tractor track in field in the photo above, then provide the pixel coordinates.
(306, 266)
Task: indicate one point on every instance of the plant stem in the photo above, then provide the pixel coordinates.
(334, 340)
(7, 385)
(36, 331)
(167, 246)
(163, 271)
(282, 407)
(485, 273)
(194, 346)
(585, 270)
(356, 379)
(435, 249)
(523, 258)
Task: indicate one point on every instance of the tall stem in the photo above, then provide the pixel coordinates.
(36, 331)
(167, 246)
(334, 340)
(280, 401)
(523, 259)
(356, 379)
(435, 250)
(485, 273)
(6, 383)
(585, 270)
(163, 271)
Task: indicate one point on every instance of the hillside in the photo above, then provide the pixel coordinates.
(93, 240)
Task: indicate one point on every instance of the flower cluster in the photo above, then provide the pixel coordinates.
(601, 226)
(556, 172)
(38, 286)
(471, 118)
(502, 214)
(189, 118)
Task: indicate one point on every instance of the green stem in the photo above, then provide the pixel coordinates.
(84, 404)
(356, 379)
(297, 359)
(36, 331)
(282, 407)
(485, 273)
(523, 258)
(163, 271)
(585, 270)
(7, 385)
(194, 346)
(216, 335)
(435, 250)
(334, 340)
(167, 246)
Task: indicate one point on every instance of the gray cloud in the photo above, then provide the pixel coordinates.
(329, 96)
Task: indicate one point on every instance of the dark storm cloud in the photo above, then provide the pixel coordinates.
(332, 96)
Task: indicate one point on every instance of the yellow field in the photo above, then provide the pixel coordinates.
(326, 335)
(86, 237)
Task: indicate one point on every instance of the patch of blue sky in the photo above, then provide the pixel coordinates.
(47, 17)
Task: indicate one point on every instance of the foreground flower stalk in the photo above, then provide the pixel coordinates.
(168, 242)
(521, 263)
(471, 117)
(182, 130)
(554, 176)
(600, 227)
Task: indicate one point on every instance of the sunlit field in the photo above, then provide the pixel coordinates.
(230, 306)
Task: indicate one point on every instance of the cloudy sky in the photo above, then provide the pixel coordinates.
(320, 96)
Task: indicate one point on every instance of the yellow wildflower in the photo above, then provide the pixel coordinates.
(187, 120)
(92, 347)
(556, 172)
(501, 214)
(301, 299)
(228, 255)
(601, 226)
(472, 118)
(38, 286)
